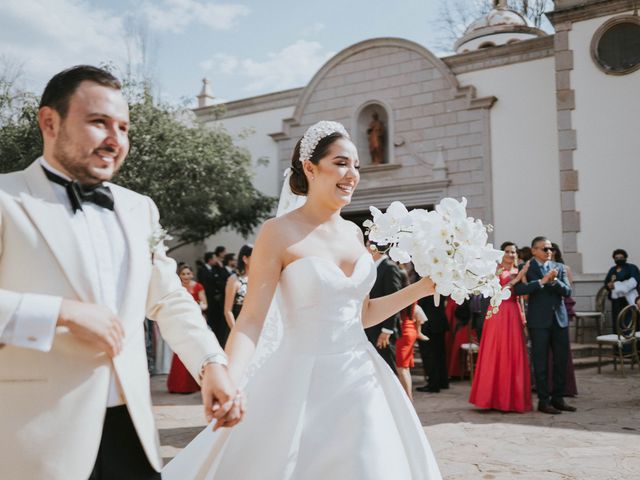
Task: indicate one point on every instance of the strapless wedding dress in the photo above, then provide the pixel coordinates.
(325, 405)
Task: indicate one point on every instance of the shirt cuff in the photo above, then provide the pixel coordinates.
(33, 324)
(387, 331)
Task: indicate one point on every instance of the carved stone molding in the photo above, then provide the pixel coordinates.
(413, 195)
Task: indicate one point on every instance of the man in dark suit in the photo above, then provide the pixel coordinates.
(388, 281)
(478, 306)
(433, 352)
(213, 277)
(547, 321)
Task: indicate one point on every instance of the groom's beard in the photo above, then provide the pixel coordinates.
(78, 162)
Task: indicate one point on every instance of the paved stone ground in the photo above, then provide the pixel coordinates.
(600, 441)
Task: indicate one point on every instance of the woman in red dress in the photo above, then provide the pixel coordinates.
(179, 379)
(502, 380)
(411, 319)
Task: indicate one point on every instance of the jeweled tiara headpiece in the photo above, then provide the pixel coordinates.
(317, 132)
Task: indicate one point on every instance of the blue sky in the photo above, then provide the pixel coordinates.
(245, 48)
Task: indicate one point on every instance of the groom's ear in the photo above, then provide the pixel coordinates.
(48, 121)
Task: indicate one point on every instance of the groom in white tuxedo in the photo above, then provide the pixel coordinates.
(78, 275)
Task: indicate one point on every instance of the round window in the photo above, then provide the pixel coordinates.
(615, 47)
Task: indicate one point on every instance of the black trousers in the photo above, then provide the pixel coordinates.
(434, 360)
(388, 354)
(217, 322)
(121, 456)
(543, 339)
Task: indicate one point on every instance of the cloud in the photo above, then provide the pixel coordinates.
(46, 36)
(177, 15)
(292, 66)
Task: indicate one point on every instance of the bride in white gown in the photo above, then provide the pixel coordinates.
(324, 404)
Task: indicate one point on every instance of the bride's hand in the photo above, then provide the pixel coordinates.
(427, 285)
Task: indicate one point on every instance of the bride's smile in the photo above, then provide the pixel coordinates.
(337, 175)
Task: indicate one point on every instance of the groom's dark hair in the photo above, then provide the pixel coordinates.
(63, 85)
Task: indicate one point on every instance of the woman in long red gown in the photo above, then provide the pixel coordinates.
(502, 380)
(179, 379)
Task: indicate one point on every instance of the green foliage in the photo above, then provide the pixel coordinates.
(20, 140)
(200, 180)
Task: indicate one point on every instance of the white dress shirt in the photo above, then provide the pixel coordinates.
(100, 235)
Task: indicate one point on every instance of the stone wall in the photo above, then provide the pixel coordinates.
(431, 119)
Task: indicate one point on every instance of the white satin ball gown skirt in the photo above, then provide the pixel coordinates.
(324, 405)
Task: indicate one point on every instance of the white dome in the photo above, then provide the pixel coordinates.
(500, 26)
(497, 17)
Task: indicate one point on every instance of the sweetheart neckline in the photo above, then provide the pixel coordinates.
(353, 272)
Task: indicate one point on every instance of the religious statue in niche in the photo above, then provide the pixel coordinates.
(376, 133)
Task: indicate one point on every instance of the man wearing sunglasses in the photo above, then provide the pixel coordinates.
(547, 321)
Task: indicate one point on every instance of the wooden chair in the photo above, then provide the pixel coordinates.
(598, 315)
(625, 336)
(469, 352)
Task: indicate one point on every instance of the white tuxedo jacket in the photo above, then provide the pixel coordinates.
(52, 404)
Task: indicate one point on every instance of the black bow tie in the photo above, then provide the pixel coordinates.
(99, 194)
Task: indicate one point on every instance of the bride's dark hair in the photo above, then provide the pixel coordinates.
(298, 181)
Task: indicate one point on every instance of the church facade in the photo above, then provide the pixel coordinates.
(539, 132)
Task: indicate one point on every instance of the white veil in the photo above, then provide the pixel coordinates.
(271, 334)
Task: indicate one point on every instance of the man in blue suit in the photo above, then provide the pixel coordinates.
(547, 322)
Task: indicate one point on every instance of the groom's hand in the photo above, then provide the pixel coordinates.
(93, 323)
(220, 397)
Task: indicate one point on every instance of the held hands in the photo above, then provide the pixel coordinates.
(221, 399)
(93, 323)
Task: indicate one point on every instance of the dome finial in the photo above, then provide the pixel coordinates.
(205, 98)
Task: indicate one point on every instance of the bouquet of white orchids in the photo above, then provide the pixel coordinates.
(443, 244)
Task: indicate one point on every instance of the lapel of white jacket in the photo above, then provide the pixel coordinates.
(129, 208)
(53, 221)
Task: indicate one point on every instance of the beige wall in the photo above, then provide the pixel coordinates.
(260, 144)
(524, 149)
(607, 158)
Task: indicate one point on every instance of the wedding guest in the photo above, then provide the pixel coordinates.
(478, 305)
(622, 281)
(229, 262)
(236, 288)
(433, 351)
(411, 272)
(524, 255)
(179, 379)
(502, 377)
(77, 404)
(462, 333)
(213, 278)
(571, 388)
(547, 322)
(388, 280)
(411, 319)
(220, 252)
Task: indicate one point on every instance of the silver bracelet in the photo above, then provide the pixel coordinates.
(220, 358)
